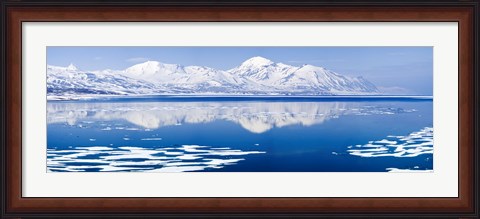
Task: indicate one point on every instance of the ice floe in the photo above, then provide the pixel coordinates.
(178, 158)
(412, 145)
(397, 170)
(151, 139)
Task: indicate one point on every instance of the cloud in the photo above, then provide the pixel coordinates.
(137, 59)
(98, 58)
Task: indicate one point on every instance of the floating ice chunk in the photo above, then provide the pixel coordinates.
(178, 169)
(91, 161)
(173, 153)
(396, 170)
(138, 163)
(130, 148)
(412, 145)
(174, 164)
(108, 168)
(216, 162)
(132, 129)
(233, 152)
(385, 141)
(151, 139)
(96, 148)
(132, 158)
(188, 157)
(193, 148)
(394, 136)
(55, 169)
(370, 145)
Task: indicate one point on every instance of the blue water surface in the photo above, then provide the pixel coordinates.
(232, 134)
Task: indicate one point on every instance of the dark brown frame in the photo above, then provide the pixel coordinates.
(16, 12)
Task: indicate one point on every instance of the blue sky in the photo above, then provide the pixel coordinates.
(402, 70)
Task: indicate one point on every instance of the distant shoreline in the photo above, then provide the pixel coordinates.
(238, 97)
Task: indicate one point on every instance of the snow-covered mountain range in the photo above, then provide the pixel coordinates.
(255, 76)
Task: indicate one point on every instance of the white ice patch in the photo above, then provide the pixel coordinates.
(151, 139)
(132, 129)
(95, 148)
(385, 141)
(131, 158)
(412, 145)
(175, 169)
(396, 170)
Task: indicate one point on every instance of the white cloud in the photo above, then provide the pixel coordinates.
(98, 58)
(137, 59)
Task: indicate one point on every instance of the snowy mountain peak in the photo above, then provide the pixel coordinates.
(257, 61)
(148, 67)
(311, 67)
(143, 69)
(72, 67)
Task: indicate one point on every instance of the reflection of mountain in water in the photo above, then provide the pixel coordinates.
(256, 117)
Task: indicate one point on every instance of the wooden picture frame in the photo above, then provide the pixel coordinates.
(15, 12)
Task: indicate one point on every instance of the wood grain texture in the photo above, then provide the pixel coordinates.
(15, 203)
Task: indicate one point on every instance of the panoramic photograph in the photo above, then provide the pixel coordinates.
(239, 109)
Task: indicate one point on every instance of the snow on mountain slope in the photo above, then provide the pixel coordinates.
(155, 71)
(255, 76)
(70, 80)
(307, 79)
(185, 79)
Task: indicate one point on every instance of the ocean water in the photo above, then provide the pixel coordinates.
(231, 134)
